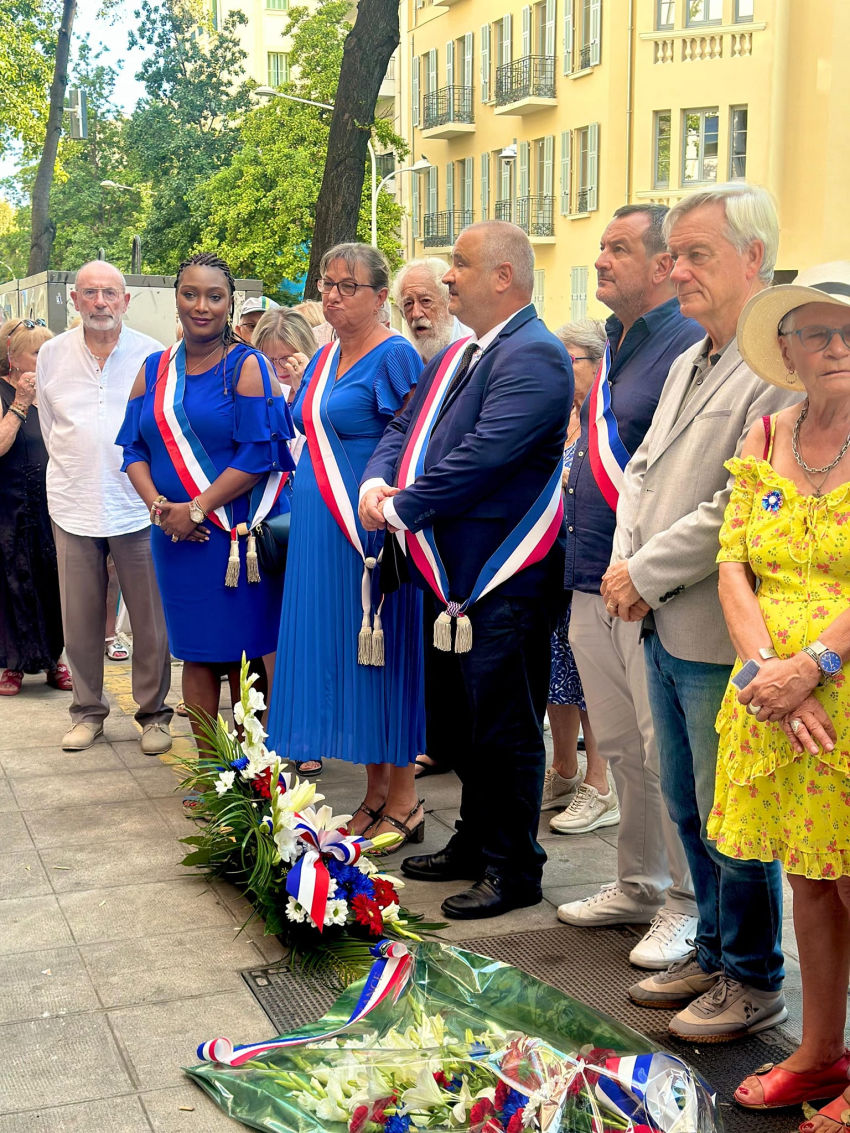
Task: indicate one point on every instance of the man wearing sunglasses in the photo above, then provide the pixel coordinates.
(646, 332)
(84, 379)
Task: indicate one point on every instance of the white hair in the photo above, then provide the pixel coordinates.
(100, 263)
(750, 216)
(587, 334)
(436, 267)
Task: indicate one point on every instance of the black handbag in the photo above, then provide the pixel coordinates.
(272, 537)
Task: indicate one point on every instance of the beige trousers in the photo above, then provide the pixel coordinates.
(608, 652)
(83, 583)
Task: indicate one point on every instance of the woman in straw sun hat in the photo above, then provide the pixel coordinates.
(783, 771)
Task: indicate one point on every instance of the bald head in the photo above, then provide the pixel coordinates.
(492, 274)
(99, 273)
(100, 295)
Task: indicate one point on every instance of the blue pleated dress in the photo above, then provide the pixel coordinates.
(208, 621)
(323, 704)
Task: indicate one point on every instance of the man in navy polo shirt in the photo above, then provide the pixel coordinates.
(646, 333)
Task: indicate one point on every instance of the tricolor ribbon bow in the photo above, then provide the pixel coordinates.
(387, 978)
(309, 881)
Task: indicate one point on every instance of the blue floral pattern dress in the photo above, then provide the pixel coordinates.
(564, 681)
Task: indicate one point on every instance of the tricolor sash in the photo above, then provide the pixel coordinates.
(387, 978)
(339, 489)
(193, 466)
(529, 542)
(608, 454)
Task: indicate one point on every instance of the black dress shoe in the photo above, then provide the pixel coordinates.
(490, 897)
(446, 865)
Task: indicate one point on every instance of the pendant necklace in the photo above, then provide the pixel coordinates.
(808, 471)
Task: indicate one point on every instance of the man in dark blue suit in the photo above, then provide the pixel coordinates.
(496, 444)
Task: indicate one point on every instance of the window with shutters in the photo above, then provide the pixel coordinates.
(485, 186)
(535, 201)
(538, 294)
(504, 44)
(738, 143)
(504, 208)
(543, 28)
(468, 174)
(567, 36)
(278, 68)
(700, 132)
(590, 33)
(566, 171)
(414, 205)
(587, 158)
(277, 5)
(414, 88)
(433, 199)
(578, 293)
(485, 63)
(430, 71)
(450, 186)
(663, 119)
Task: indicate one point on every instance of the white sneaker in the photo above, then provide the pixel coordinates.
(668, 940)
(609, 906)
(557, 790)
(588, 811)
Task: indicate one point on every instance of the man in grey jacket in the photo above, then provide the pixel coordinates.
(724, 242)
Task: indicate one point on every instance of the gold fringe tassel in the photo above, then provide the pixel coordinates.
(378, 656)
(443, 633)
(252, 563)
(463, 634)
(231, 578)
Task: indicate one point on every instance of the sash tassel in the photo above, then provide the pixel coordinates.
(370, 640)
(443, 630)
(231, 577)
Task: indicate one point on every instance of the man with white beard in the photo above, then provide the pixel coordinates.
(423, 299)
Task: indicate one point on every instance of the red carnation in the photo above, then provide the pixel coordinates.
(262, 783)
(515, 1123)
(378, 1107)
(358, 1119)
(481, 1114)
(385, 893)
(441, 1080)
(502, 1091)
(366, 912)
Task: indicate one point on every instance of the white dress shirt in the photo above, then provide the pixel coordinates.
(81, 408)
(393, 520)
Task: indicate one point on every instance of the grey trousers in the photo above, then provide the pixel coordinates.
(83, 584)
(651, 859)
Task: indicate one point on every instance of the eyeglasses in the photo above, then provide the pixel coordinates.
(110, 294)
(280, 363)
(346, 287)
(813, 339)
(580, 358)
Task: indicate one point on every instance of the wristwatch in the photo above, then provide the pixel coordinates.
(196, 512)
(826, 659)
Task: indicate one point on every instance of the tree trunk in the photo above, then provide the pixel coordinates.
(366, 56)
(43, 228)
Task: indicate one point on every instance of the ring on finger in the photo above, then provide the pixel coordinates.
(754, 709)
(174, 539)
(796, 725)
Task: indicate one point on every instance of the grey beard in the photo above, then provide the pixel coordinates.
(439, 339)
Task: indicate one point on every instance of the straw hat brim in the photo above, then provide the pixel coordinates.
(758, 340)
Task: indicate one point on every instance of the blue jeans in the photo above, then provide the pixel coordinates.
(739, 902)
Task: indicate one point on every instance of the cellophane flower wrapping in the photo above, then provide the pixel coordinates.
(470, 1044)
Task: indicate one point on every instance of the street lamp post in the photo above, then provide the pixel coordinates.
(423, 163)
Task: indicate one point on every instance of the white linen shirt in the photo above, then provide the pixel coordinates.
(81, 408)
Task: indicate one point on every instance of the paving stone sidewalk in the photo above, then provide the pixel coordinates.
(115, 961)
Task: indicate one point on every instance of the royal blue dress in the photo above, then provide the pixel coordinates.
(208, 621)
(323, 703)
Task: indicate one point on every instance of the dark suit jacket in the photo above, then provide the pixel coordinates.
(490, 456)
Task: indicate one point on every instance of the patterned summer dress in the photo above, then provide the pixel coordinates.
(769, 801)
(564, 682)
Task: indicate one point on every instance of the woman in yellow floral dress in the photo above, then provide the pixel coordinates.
(783, 771)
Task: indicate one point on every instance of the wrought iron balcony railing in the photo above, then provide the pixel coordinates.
(505, 210)
(582, 200)
(443, 228)
(385, 164)
(585, 57)
(449, 104)
(536, 215)
(530, 77)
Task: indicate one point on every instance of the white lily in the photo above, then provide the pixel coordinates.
(390, 913)
(397, 882)
(463, 1103)
(332, 1106)
(224, 782)
(425, 1094)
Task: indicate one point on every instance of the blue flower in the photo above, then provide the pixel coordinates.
(455, 1084)
(241, 763)
(478, 1050)
(772, 501)
(515, 1101)
(397, 1124)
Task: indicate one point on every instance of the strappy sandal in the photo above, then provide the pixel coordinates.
(375, 815)
(838, 1112)
(116, 650)
(60, 678)
(781, 1087)
(10, 682)
(412, 834)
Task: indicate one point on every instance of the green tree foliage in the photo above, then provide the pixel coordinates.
(260, 210)
(28, 31)
(186, 129)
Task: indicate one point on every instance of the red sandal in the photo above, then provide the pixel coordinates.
(781, 1087)
(837, 1112)
(60, 678)
(10, 682)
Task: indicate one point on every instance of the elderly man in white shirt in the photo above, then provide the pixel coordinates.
(423, 299)
(84, 381)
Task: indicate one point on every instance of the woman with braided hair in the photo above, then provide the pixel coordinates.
(204, 444)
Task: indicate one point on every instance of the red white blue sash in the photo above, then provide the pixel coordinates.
(608, 454)
(529, 542)
(193, 466)
(340, 490)
(387, 979)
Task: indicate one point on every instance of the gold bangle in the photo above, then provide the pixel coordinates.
(19, 413)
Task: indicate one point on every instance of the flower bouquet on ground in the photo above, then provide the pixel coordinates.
(310, 881)
(436, 1038)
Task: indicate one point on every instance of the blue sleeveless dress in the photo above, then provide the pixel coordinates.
(208, 621)
(323, 704)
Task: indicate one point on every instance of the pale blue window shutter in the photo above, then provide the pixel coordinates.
(466, 77)
(524, 154)
(566, 174)
(485, 186)
(595, 32)
(549, 28)
(568, 37)
(450, 186)
(485, 63)
(548, 187)
(526, 31)
(414, 205)
(468, 174)
(592, 166)
(414, 87)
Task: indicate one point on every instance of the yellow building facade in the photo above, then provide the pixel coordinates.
(553, 114)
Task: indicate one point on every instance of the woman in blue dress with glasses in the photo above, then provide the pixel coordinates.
(333, 698)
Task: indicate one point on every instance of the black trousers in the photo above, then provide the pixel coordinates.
(489, 719)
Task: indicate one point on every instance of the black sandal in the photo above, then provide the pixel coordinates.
(375, 815)
(425, 769)
(412, 834)
(313, 771)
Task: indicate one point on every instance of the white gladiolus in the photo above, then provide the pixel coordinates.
(224, 782)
